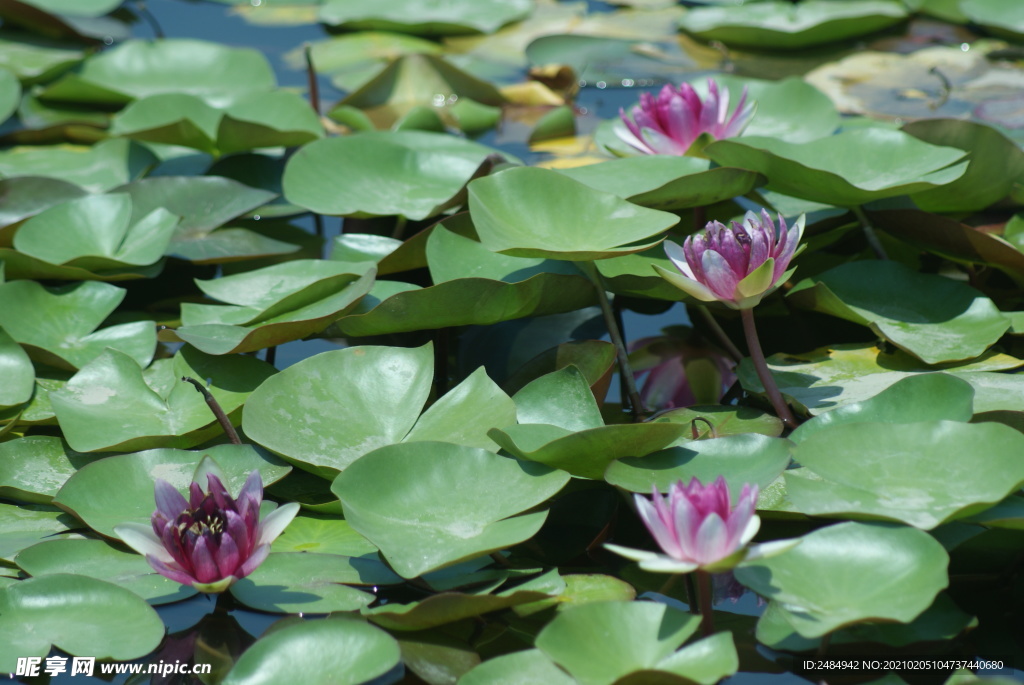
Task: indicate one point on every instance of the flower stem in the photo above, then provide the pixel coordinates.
(311, 80)
(707, 609)
(719, 332)
(763, 372)
(625, 370)
(869, 233)
(215, 407)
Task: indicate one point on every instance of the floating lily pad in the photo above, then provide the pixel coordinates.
(97, 169)
(218, 74)
(999, 18)
(414, 174)
(58, 325)
(335, 651)
(81, 616)
(518, 668)
(935, 318)
(351, 59)
(111, 403)
(666, 182)
(726, 420)
(401, 498)
(273, 305)
(33, 468)
(849, 573)
(589, 225)
(24, 526)
(740, 459)
(96, 233)
(91, 497)
(785, 26)
(840, 374)
(291, 583)
(844, 169)
(33, 58)
(85, 8)
(301, 413)
(995, 166)
(446, 607)
(98, 559)
(603, 642)
(26, 196)
(323, 536)
(924, 397)
(910, 472)
(776, 101)
(425, 17)
(17, 371)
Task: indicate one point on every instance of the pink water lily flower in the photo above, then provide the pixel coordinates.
(210, 540)
(736, 265)
(671, 122)
(697, 527)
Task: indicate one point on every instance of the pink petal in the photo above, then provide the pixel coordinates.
(203, 565)
(169, 502)
(719, 276)
(173, 572)
(662, 533)
(257, 557)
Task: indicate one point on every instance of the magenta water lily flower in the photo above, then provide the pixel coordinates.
(736, 265)
(697, 527)
(671, 122)
(210, 540)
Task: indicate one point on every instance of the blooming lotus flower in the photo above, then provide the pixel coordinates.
(210, 540)
(698, 528)
(736, 265)
(672, 122)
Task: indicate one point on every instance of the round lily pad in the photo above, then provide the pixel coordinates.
(95, 168)
(786, 26)
(17, 370)
(425, 17)
(293, 582)
(848, 573)
(843, 169)
(589, 225)
(33, 468)
(81, 616)
(401, 498)
(912, 472)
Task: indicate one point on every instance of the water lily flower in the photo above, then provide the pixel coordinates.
(736, 265)
(697, 527)
(671, 122)
(210, 540)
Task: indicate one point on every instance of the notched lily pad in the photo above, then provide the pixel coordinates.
(401, 498)
(290, 583)
(425, 17)
(935, 318)
(95, 168)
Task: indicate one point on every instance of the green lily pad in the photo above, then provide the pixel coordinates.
(58, 325)
(84, 8)
(291, 583)
(666, 182)
(17, 371)
(581, 588)
(562, 398)
(425, 17)
(34, 58)
(112, 404)
(382, 391)
(835, 376)
(1001, 19)
(323, 535)
(785, 26)
(97, 559)
(26, 196)
(995, 166)
(602, 642)
(401, 498)
(776, 102)
(349, 59)
(334, 651)
(947, 321)
(634, 275)
(33, 468)
(95, 168)
(415, 174)
(89, 495)
(446, 607)
(924, 397)
(273, 305)
(415, 91)
(849, 573)
(518, 668)
(218, 74)
(96, 233)
(589, 225)
(843, 169)
(171, 119)
(914, 473)
(726, 420)
(24, 526)
(740, 459)
(81, 616)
